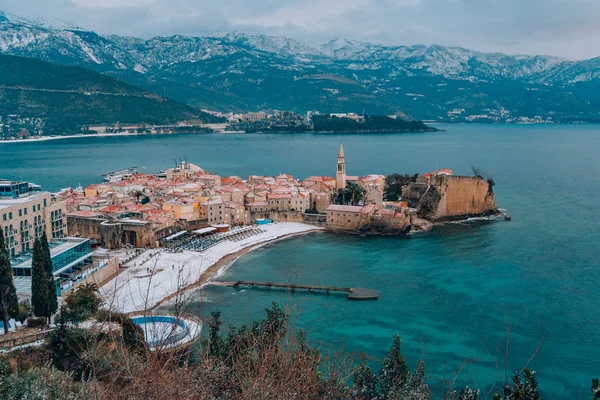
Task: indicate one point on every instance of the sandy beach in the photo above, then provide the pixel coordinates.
(168, 276)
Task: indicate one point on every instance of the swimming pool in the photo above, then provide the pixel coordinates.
(167, 331)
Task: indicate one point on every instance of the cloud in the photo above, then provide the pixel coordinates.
(113, 3)
(566, 28)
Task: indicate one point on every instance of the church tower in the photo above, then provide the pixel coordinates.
(340, 176)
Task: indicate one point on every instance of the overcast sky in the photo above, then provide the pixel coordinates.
(568, 28)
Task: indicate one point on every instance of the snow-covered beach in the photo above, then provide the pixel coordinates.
(46, 138)
(164, 275)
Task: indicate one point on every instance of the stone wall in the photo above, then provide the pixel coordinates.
(450, 197)
(113, 233)
(348, 221)
(314, 219)
(413, 192)
(455, 197)
(285, 216)
(463, 196)
(84, 227)
(399, 223)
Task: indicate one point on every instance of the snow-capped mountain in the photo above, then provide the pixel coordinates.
(242, 71)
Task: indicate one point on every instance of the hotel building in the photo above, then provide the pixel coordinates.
(26, 213)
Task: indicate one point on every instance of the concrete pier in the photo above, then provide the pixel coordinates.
(353, 293)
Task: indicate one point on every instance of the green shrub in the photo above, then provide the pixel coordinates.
(24, 311)
(43, 384)
(36, 322)
(83, 303)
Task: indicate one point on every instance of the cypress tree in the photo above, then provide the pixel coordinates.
(9, 303)
(52, 298)
(392, 375)
(39, 282)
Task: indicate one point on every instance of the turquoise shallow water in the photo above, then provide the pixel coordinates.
(446, 292)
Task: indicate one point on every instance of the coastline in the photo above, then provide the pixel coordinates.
(78, 136)
(219, 268)
(171, 275)
(47, 138)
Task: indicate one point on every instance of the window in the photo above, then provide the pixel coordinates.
(10, 215)
(20, 213)
(4, 217)
(44, 202)
(25, 210)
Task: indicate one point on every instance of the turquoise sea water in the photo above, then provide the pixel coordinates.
(447, 293)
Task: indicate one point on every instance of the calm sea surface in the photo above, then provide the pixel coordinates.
(448, 293)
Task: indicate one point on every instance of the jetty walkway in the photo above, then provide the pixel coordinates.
(353, 293)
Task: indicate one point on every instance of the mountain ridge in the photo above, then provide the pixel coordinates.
(68, 97)
(236, 71)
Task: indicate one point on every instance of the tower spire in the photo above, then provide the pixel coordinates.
(340, 174)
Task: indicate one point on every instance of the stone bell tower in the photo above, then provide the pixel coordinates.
(340, 175)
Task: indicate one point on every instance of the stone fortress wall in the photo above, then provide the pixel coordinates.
(453, 197)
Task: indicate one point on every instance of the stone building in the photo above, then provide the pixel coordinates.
(349, 218)
(258, 209)
(231, 194)
(184, 208)
(214, 211)
(279, 202)
(211, 181)
(391, 221)
(184, 170)
(236, 214)
(112, 233)
(321, 201)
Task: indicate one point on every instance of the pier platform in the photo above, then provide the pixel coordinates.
(353, 293)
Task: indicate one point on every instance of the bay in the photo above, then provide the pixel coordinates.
(448, 293)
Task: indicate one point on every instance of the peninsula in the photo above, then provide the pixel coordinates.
(193, 224)
(156, 235)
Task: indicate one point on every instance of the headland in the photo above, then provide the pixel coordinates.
(191, 223)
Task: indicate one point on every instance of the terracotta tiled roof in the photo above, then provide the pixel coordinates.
(443, 171)
(385, 212)
(111, 209)
(342, 208)
(85, 214)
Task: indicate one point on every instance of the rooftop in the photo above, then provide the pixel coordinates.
(56, 248)
(9, 202)
(342, 208)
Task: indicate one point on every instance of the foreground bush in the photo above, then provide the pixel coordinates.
(41, 384)
(264, 360)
